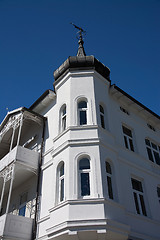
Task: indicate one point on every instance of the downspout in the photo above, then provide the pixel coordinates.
(35, 228)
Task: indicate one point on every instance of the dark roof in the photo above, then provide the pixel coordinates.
(40, 99)
(82, 63)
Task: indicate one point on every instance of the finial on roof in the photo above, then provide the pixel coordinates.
(81, 32)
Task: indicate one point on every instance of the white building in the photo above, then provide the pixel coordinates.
(82, 163)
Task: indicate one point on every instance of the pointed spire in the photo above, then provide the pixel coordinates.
(81, 51)
(81, 32)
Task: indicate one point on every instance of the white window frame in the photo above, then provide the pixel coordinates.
(152, 150)
(110, 176)
(138, 196)
(63, 118)
(61, 179)
(85, 171)
(102, 116)
(128, 140)
(83, 109)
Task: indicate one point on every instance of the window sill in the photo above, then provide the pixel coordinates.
(88, 197)
(114, 203)
(143, 218)
(140, 157)
(121, 147)
(87, 200)
(75, 128)
(106, 131)
(155, 165)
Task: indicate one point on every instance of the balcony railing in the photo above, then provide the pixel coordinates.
(16, 227)
(22, 155)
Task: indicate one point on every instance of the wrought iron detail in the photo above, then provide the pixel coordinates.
(7, 173)
(13, 122)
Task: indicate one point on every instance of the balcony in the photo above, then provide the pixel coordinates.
(15, 227)
(21, 155)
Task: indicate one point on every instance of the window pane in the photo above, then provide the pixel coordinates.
(110, 192)
(158, 191)
(22, 211)
(62, 170)
(125, 141)
(82, 104)
(63, 123)
(157, 157)
(101, 109)
(137, 185)
(131, 144)
(64, 111)
(108, 168)
(143, 205)
(150, 154)
(62, 190)
(147, 142)
(83, 117)
(136, 202)
(84, 164)
(85, 185)
(154, 146)
(102, 121)
(127, 131)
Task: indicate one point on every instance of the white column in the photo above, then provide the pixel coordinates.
(20, 129)
(10, 190)
(11, 144)
(2, 193)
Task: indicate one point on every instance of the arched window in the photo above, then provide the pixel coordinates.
(63, 118)
(61, 182)
(101, 109)
(109, 180)
(84, 176)
(82, 112)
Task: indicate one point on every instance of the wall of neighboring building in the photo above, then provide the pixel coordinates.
(135, 164)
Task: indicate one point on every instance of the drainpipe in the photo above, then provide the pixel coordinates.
(38, 186)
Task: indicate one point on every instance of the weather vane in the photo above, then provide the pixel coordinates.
(81, 32)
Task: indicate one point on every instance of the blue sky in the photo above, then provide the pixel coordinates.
(36, 38)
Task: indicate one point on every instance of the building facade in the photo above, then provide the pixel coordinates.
(82, 163)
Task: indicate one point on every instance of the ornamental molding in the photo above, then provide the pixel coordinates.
(13, 122)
